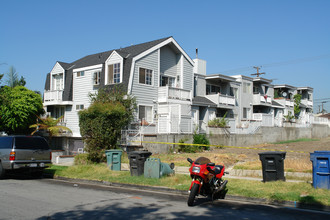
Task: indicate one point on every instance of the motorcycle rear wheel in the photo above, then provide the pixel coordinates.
(193, 194)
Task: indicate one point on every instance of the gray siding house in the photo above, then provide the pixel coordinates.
(158, 73)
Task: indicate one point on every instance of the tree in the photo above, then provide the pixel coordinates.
(296, 108)
(18, 109)
(101, 124)
(12, 78)
(1, 75)
(50, 125)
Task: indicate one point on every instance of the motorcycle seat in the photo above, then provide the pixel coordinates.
(217, 169)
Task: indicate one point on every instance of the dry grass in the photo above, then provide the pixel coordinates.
(180, 159)
(290, 165)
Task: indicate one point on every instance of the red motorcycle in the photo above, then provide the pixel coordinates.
(206, 179)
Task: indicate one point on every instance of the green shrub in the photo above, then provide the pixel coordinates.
(219, 122)
(82, 159)
(201, 139)
(185, 148)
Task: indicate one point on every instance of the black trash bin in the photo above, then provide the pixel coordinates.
(136, 162)
(272, 165)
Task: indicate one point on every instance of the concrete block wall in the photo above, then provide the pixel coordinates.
(264, 135)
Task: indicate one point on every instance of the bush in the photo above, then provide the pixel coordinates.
(82, 159)
(185, 148)
(101, 124)
(201, 139)
(219, 122)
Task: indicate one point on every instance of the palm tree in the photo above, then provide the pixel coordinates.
(50, 125)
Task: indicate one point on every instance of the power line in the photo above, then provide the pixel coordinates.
(301, 60)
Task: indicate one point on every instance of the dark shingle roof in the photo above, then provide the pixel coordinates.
(128, 53)
(203, 101)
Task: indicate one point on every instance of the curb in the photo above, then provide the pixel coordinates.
(286, 204)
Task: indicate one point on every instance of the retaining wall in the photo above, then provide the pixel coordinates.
(264, 135)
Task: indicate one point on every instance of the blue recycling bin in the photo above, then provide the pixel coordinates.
(321, 169)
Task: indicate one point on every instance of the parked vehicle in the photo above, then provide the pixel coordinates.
(18, 152)
(206, 179)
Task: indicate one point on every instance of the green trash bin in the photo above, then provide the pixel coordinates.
(114, 159)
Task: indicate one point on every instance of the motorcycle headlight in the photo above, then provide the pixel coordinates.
(196, 169)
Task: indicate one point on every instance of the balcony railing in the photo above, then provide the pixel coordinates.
(222, 99)
(53, 96)
(307, 102)
(165, 93)
(261, 99)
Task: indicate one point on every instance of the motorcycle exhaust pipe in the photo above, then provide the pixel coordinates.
(222, 186)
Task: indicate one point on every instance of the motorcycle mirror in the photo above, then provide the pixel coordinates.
(189, 160)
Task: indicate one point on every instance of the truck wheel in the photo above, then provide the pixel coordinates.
(2, 171)
(193, 194)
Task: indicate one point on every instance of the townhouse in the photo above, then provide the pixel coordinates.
(173, 92)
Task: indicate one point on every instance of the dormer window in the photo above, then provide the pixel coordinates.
(114, 73)
(58, 82)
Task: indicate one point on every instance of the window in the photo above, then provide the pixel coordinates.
(58, 82)
(211, 89)
(145, 113)
(145, 76)
(97, 78)
(79, 107)
(167, 81)
(255, 90)
(114, 73)
(81, 73)
(246, 112)
(247, 87)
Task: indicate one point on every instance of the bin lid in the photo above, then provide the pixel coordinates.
(272, 153)
(321, 152)
(114, 150)
(142, 152)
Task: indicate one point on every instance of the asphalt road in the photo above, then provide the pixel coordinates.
(24, 198)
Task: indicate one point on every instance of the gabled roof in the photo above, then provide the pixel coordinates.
(100, 58)
(128, 53)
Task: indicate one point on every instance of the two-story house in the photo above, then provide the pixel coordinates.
(159, 74)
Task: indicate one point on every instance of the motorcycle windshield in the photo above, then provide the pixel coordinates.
(202, 160)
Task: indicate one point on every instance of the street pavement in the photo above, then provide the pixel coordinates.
(25, 198)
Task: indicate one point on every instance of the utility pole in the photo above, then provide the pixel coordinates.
(257, 74)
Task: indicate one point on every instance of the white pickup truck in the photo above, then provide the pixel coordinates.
(18, 152)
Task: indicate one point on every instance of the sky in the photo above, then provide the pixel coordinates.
(289, 39)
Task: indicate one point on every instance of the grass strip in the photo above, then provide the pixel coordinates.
(297, 140)
(280, 191)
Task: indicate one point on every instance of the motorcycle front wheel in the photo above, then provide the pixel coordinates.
(193, 194)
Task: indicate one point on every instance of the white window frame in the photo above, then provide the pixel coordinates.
(97, 77)
(147, 119)
(115, 68)
(60, 81)
(171, 81)
(80, 107)
(80, 74)
(148, 74)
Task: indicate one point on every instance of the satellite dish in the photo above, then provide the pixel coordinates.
(284, 94)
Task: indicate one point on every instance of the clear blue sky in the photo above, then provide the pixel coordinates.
(289, 38)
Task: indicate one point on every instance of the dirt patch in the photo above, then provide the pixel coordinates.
(252, 154)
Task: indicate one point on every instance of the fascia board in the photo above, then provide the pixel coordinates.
(88, 68)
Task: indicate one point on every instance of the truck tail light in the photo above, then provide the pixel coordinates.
(12, 156)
